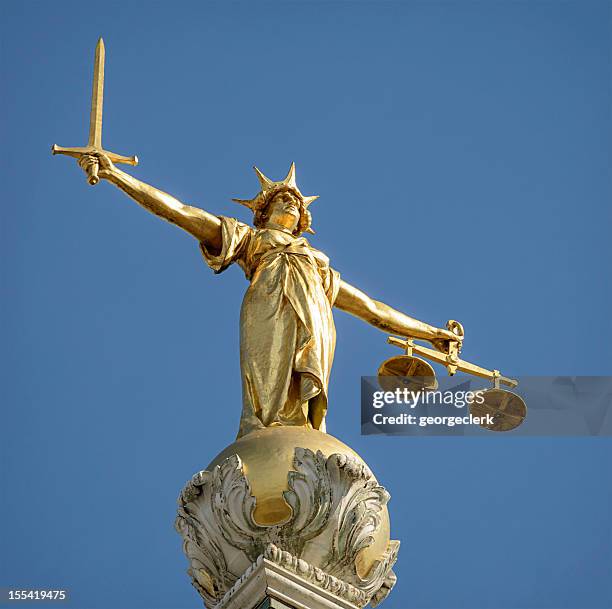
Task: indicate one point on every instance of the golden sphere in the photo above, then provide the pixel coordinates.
(267, 457)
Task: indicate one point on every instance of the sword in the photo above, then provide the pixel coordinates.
(94, 143)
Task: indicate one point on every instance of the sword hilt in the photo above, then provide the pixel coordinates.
(92, 170)
(92, 173)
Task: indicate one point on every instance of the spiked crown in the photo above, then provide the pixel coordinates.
(269, 189)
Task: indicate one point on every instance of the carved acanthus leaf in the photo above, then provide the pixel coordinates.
(335, 497)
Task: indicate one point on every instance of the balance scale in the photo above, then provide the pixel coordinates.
(505, 408)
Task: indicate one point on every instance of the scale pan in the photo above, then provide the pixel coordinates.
(406, 371)
(507, 409)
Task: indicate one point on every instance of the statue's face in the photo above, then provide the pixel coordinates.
(285, 210)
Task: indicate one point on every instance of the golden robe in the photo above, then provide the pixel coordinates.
(287, 333)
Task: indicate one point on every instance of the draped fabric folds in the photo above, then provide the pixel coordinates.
(287, 333)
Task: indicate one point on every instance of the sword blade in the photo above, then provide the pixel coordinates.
(97, 98)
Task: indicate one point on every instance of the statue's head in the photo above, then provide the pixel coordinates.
(280, 203)
(285, 208)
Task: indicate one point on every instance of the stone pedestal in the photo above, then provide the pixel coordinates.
(290, 517)
(267, 584)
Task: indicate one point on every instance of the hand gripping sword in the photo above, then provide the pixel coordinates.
(95, 124)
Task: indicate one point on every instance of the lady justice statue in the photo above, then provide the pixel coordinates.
(286, 516)
(287, 334)
(287, 340)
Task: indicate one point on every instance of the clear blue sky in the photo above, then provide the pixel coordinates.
(462, 154)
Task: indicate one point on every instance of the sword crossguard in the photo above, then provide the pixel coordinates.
(92, 172)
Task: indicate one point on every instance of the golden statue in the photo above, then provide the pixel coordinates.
(287, 334)
(285, 497)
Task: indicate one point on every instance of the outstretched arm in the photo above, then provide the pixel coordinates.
(203, 226)
(383, 317)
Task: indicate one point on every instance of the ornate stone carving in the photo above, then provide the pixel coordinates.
(315, 575)
(305, 571)
(336, 505)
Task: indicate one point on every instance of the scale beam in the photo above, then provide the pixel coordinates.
(451, 361)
